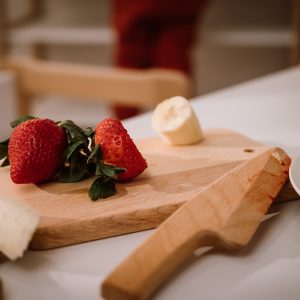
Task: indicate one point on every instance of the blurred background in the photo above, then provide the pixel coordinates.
(236, 41)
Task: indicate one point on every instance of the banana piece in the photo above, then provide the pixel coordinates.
(17, 225)
(176, 122)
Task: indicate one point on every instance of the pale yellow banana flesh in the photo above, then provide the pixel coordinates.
(18, 223)
(176, 122)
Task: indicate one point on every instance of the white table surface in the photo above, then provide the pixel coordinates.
(266, 109)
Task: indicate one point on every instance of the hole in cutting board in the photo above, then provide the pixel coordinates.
(249, 150)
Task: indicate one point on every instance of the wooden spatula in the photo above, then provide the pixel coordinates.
(226, 214)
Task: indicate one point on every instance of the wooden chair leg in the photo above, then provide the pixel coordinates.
(24, 104)
(38, 51)
(295, 57)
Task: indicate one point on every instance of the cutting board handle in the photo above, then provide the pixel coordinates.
(158, 257)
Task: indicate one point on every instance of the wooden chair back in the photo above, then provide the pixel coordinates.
(140, 88)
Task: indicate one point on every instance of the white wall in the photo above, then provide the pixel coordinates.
(7, 103)
(241, 40)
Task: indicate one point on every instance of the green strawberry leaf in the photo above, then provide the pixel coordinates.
(98, 170)
(74, 132)
(4, 153)
(78, 173)
(4, 149)
(72, 148)
(96, 155)
(102, 187)
(110, 171)
(75, 169)
(77, 153)
(64, 176)
(89, 132)
(77, 164)
(17, 122)
(5, 162)
(103, 169)
(73, 163)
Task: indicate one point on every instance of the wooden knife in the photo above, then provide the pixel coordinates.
(226, 214)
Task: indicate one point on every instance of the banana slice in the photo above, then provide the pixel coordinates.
(176, 122)
(17, 225)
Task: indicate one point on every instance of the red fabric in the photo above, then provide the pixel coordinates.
(156, 33)
(123, 112)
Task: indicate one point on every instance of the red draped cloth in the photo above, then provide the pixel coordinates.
(155, 33)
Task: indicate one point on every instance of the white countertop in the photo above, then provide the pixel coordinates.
(265, 109)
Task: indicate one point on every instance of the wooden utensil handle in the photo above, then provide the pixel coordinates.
(160, 255)
(227, 213)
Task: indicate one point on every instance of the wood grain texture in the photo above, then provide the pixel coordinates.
(174, 175)
(225, 214)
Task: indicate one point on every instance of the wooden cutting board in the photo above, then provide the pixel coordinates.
(174, 175)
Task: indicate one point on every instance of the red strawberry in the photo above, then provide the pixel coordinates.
(35, 151)
(119, 149)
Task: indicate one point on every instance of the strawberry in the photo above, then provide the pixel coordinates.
(118, 149)
(41, 148)
(35, 151)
